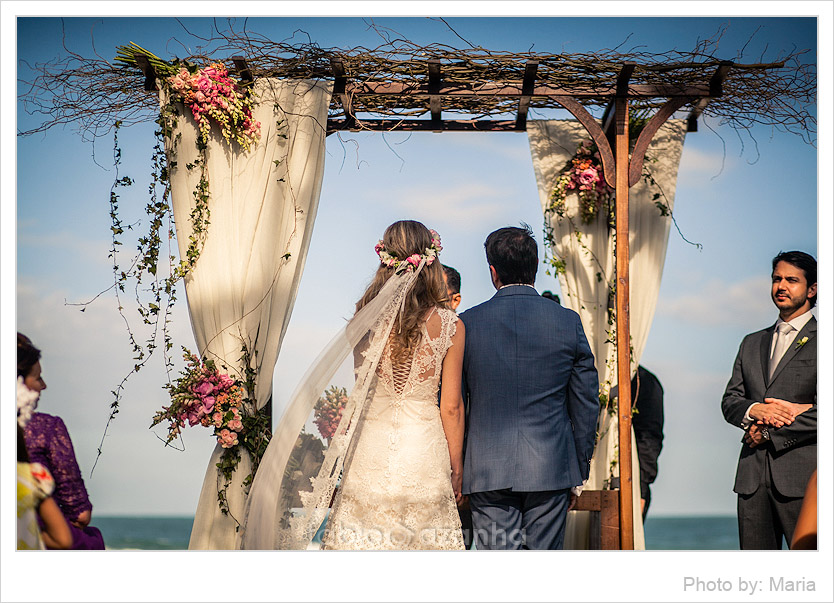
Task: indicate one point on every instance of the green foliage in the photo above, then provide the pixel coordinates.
(126, 57)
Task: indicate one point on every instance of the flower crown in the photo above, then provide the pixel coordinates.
(412, 261)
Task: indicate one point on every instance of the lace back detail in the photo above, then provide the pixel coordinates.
(400, 372)
(420, 372)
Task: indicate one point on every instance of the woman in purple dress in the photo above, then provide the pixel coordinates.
(48, 443)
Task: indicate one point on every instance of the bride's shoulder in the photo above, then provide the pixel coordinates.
(439, 317)
(444, 315)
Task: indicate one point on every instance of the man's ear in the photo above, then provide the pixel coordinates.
(455, 301)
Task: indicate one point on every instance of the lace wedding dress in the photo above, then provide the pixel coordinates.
(396, 492)
(388, 456)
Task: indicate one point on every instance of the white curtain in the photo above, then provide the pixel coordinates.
(242, 289)
(590, 269)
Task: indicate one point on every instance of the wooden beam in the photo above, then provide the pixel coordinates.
(340, 90)
(150, 73)
(624, 76)
(605, 528)
(422, 125)
(586, 119)
(608, 120)
(716, 90)
(716, 83)
(243, 71)
(638, 154)
(623, 328)
(515, 89)
(527, 86)
(434, 96)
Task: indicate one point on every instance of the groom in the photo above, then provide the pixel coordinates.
(533, 404)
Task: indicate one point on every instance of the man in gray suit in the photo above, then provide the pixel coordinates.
(533, 397)
(772, 396)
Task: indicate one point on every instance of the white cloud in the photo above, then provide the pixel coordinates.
(91, 253)
(717, 303)
(699, 168)
(471, 206)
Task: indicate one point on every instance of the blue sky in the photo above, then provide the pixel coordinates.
(743, 202)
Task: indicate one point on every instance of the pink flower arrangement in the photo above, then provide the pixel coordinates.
(204, 396)
(583, 174)
(328, 411)
(214, 96)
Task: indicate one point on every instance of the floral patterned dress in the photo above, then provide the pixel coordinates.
(34, 485)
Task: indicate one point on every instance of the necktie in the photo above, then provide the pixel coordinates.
(781, 346)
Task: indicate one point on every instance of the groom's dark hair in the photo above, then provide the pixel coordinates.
(514, 255)
(804, 262)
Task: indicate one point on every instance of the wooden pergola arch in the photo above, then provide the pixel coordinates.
(621, 172)
(427, 91)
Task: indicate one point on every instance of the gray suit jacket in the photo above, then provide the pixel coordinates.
(792, 451)
(533, 395)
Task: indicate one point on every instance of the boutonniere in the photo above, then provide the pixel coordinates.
(801, 342)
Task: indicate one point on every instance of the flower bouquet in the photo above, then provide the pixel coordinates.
(583, 173)
(328, 411)
(204, 396)
(212, 95)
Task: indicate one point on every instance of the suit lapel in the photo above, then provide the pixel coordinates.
(764, 346)
(810, 331)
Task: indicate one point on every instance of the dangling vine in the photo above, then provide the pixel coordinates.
(213, 98)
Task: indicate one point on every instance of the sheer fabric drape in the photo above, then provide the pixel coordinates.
(242, 289)
(590, 268)
(298, 475)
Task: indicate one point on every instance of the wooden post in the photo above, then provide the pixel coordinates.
(623, 327)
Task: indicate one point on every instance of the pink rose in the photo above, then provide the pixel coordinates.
(236, 424)
(227, 438)
(218, 419)
(588, 176)
(414, 260)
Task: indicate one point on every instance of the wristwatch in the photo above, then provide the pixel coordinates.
(766, 433)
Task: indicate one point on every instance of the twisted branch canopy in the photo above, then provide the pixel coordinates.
(397, 83)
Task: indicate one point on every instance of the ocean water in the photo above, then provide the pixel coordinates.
(691, 533)
(662, 533)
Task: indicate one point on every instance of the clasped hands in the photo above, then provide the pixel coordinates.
(774, 412)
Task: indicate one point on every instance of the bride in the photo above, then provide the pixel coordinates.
(395, 456)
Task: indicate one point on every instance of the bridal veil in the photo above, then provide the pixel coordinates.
(295, 482)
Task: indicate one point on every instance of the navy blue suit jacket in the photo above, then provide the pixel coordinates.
(533, 394)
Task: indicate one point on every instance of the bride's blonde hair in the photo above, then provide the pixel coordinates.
(403, 239)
